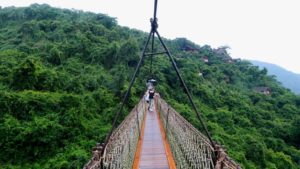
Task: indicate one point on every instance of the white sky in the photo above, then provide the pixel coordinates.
(265, 30)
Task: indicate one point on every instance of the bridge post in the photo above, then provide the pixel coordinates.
(137, 121)
(159, 105)
(167, 121)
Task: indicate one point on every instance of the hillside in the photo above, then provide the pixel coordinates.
(288, 79)
(63, 74)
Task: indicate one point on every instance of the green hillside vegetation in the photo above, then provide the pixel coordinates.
(64, 72)
(288, 79)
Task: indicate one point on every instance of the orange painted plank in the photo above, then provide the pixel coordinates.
(137, 156)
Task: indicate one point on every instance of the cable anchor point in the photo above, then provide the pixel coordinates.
(154, 24)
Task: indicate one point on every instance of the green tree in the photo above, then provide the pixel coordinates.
(25, 74)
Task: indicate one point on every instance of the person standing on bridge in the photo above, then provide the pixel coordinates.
(150, 83)
(151, 99)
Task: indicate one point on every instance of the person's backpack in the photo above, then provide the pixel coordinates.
(151, 94)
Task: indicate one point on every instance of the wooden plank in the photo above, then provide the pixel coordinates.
(153, 151)
(153, 154)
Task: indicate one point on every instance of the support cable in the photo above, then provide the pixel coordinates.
(151, 57)
(127, 92)
(185, 88)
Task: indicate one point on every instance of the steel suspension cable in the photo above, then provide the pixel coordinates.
(151, 57)
(185, 88)
(116, 117)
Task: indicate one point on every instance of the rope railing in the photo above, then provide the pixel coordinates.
(122, 144)
(190, 148)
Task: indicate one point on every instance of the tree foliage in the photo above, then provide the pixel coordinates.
(63, 74)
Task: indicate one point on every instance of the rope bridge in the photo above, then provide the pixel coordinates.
(168, 141)
(189, 147)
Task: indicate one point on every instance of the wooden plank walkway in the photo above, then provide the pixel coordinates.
(151, 153)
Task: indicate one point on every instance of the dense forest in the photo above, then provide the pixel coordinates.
(64, 72)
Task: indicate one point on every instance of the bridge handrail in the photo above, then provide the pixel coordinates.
(190, 148)
(190, 126)
(121, 147)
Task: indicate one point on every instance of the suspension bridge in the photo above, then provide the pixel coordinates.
(159, 138)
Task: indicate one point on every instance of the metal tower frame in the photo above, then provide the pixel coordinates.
(166, 51)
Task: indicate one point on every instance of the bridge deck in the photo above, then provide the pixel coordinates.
(153, 152)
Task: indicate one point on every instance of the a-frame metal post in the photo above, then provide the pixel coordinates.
(152, 34)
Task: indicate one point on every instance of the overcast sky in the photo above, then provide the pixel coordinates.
(265, 30)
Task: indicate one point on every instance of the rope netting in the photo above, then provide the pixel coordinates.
(121, 147)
